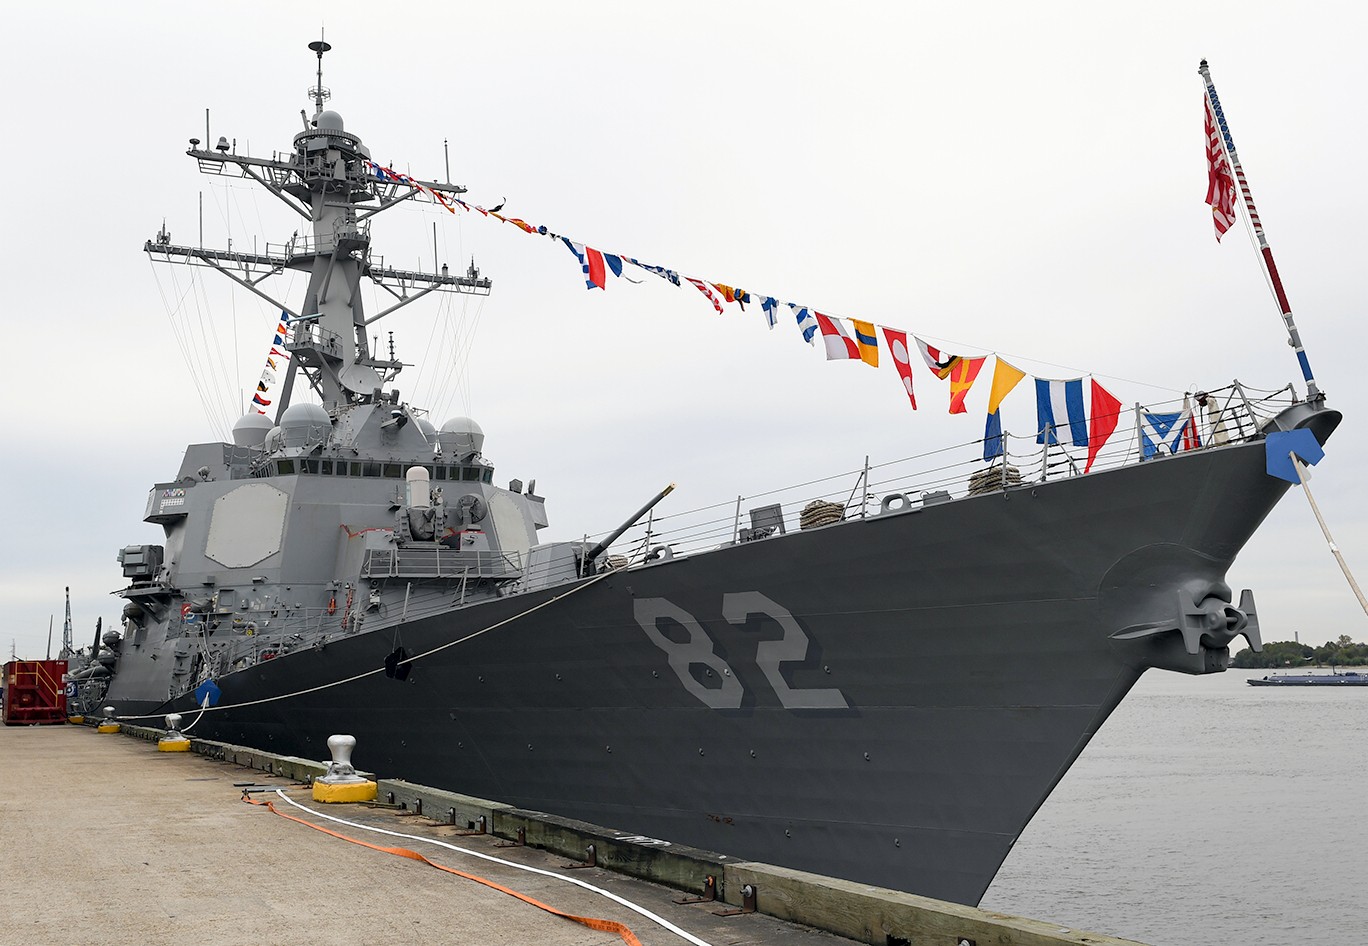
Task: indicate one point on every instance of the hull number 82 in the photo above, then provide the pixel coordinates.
(699, 650)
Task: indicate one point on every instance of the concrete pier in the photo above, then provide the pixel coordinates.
(104, 839)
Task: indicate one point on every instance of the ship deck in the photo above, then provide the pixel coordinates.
(105, 839)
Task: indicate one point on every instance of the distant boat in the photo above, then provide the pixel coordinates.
(1348, 678)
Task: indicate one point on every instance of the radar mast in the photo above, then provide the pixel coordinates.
(329, 180)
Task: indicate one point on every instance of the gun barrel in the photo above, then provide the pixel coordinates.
(613, 536)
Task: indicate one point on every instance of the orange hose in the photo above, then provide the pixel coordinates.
(594, 923)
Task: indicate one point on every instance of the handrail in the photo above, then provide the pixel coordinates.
(1227, 415)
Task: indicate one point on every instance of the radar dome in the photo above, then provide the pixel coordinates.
(251, 429)
(272, 441)
(329, 121)
(463, 435)
(304, 423)
(427, 427)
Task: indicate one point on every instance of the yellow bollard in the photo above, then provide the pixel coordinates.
(342, 784)
(173, 741)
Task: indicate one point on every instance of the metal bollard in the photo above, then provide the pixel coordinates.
(342, 783)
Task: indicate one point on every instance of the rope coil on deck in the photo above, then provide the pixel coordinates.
(820, 512)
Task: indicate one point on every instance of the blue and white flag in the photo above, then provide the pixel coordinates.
(807, 324)
(770, 305)
(660, 271)
(1060, 401)
(1162, 430)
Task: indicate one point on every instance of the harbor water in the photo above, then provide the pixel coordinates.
(1207, 812)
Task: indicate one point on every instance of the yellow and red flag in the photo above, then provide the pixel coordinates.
(962, 375)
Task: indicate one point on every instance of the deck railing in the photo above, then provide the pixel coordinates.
(1229, 415)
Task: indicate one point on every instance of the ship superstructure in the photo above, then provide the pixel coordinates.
(883, 688)
(371, 489)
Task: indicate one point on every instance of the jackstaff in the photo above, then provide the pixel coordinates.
(1214, 103)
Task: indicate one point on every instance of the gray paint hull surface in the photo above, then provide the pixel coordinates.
(967, 644)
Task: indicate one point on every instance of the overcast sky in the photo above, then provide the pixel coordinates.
(999, 177)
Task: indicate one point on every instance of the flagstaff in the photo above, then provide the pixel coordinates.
(1294, 337)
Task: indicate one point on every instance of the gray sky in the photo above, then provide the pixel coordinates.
(1025, 179)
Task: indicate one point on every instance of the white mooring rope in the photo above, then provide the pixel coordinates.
(636, 908)
(1334, 549)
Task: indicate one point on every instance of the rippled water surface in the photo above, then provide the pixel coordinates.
(1207, 812)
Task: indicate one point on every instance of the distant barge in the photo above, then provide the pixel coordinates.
(1348, 678)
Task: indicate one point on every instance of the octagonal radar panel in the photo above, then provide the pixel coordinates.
(247, 525)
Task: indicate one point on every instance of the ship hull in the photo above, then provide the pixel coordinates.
(886, 700)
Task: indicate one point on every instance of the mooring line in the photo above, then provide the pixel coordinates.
(370, 673)
(593, 922)
(1334, 548)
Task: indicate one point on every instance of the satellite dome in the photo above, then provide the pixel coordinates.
(304, 414)
(272, 441)
(251, 429)
(304, 423)
(463, 435)
(428, 428)
(329, 121)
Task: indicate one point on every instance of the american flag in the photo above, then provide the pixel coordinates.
(1220, 182)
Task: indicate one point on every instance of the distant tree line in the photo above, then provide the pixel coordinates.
(1337, 653)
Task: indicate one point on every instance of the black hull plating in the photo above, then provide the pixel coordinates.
(969, 642)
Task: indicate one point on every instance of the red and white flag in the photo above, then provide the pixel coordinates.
(897, 345)
(1220, 182)
(1192, 439)
(938, 361)
(839, 345)
(703, 287)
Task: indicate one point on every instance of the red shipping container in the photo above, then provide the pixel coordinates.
(34, 692)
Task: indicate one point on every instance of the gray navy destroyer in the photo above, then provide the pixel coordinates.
(836, 688)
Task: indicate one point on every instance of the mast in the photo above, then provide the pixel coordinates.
(326, 178)
(67, 649)
(1284, 307)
